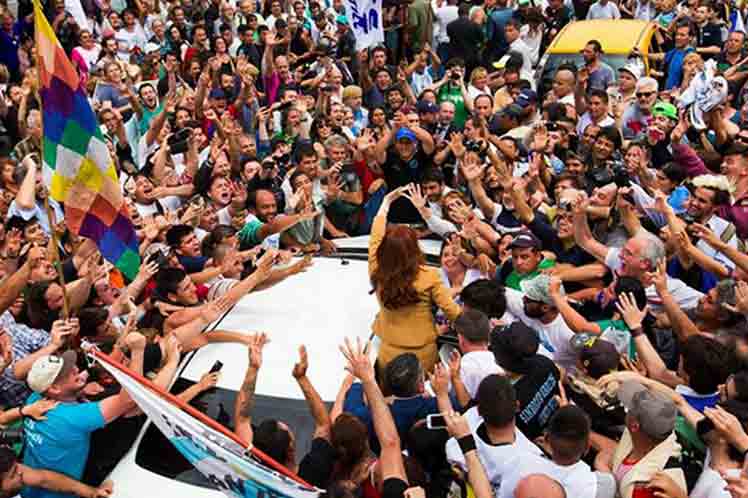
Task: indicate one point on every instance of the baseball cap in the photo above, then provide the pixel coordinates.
(523, 2)
(514, 341)
(46, 370)
(217, 93)
(151, 47)
(425, 106)
(405, 133)
(536, 289)
(633, 68)
(511, 111)
(527, 97)
(525, 239)
(665, 109)
(598, 356)
(341, 19)
(655, 413)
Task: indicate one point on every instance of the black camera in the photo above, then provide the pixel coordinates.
(687, 218)
(11, 437)
(178, 142)
(620, 174)
(454, 75)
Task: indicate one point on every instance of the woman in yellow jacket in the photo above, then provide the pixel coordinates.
(406, 289)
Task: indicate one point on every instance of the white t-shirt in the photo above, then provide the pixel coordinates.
(608, 11)
(127, 40)
(578, 480)
(554, 336)
(476, 366)
(497, 460)
(710, 483)
(686, 297)
(586, 120)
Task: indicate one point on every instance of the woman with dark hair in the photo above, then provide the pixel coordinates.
(406, 289)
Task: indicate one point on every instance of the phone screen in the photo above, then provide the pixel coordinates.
(436, 421)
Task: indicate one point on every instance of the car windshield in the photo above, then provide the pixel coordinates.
(156, 454)
(555, 60)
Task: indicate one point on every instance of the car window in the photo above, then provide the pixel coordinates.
(157, 454)
(555, 60)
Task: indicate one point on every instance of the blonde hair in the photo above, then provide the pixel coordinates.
(693, 56)
(478, 72)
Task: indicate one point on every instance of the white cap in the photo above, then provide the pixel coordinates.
(47, 369)
(151, 47)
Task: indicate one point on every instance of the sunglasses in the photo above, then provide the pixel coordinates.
(645, 94)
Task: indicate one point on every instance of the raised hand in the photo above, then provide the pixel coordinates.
(358, 363)
(414, 195)
(300, 368)
(256, 344)
(630, 312)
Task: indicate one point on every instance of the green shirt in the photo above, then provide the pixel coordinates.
(513, 280)
(452, 93)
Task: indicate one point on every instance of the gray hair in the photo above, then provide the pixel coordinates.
(336, 141)
(653, 251)
(647, 82)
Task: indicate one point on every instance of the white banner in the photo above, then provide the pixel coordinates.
(217, 457)
(365, 19)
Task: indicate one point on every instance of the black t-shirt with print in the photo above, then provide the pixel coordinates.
(536, 391)
(399, 172)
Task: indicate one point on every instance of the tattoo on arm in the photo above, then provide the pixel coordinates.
(247, 394)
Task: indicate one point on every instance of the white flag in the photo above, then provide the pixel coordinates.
(365, 19)
(219, 458)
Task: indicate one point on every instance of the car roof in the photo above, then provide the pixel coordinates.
(318, 308)
(617, 36)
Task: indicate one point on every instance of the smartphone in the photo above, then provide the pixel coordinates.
(436, 421)
(217, 366)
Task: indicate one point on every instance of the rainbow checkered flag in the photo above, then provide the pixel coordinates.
(77, 167)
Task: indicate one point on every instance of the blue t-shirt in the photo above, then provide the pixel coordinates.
(674, 62)
(61, 442)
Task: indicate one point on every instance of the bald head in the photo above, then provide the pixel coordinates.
(563, 82)
(539, 486)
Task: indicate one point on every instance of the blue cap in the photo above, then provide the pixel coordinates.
(527, 97)
(217, 93)
(405, 133)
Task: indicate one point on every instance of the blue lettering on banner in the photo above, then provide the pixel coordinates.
(532, 408)
(364, 21)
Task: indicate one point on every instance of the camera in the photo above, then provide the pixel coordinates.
(687, 218)
(454, 75)
(620, 174)
(11, 437)
(178, 142)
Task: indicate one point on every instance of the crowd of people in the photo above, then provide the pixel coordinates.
(584, 333)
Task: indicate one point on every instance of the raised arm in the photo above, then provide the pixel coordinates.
(390, 458)
(245, 400)
(322, 421)
(583, 234)
(26, 196)
(634, 317)
(573, 319)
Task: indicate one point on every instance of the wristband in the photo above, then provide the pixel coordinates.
(20, 410)
(636, 332)
(466, 443)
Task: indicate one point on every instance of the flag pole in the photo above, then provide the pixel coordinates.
(56, 256)
(50, 215)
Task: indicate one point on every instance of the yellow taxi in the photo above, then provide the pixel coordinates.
(617, 37)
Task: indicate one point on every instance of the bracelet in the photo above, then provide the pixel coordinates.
(20, 411)
(466, 443)
(636, 332)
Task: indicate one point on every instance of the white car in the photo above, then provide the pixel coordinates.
(332, 300)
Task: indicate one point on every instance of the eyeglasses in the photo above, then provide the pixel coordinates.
(645, 94)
